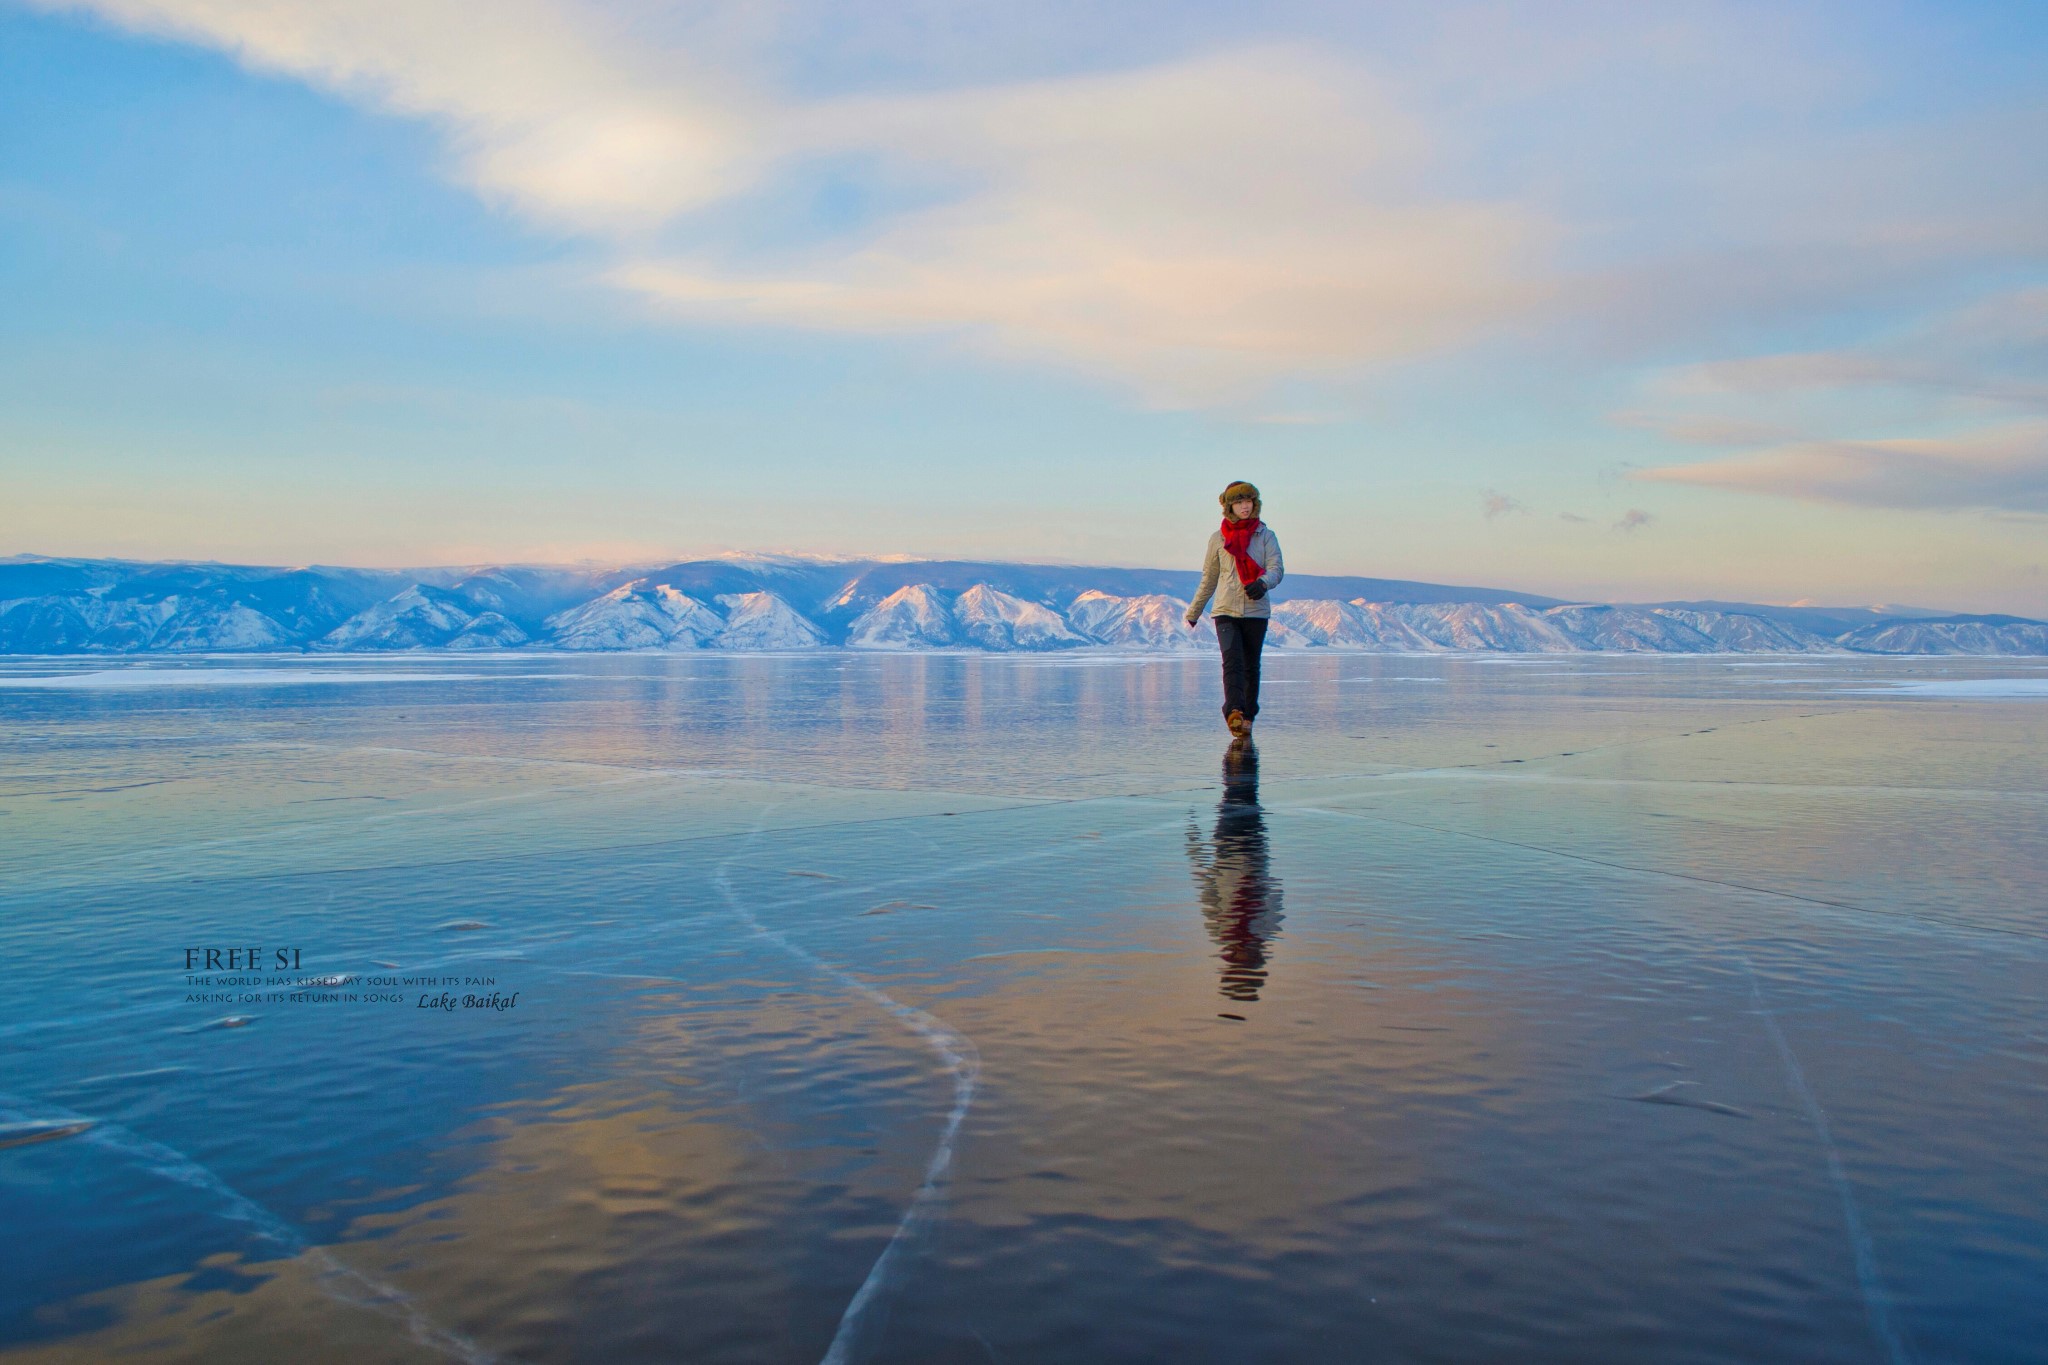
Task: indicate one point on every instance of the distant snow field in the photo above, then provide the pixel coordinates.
(222, 677)
(1964, 687)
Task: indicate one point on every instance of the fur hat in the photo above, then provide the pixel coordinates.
(1238, 492)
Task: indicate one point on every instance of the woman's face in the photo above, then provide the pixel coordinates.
(1241, 510)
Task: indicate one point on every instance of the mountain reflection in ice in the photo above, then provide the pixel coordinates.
(1239, 894)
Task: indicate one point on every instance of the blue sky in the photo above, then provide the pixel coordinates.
(1607, 300)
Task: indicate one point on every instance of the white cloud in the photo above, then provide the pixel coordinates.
(1196, 227)
(544, 107)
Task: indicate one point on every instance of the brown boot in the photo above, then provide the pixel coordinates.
(1239, 726)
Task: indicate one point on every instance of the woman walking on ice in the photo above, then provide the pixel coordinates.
(1242, 566)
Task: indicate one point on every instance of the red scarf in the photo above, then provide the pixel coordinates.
(1237, 538)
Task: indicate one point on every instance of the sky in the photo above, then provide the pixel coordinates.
(1613, 301)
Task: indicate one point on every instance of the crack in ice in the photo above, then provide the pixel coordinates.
(952, 1048)
(340, 1282)
(1876, 1302)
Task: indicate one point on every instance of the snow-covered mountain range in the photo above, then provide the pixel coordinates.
(72, 606)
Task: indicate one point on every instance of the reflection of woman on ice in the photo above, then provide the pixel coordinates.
(1234, 878)
(1243, 565)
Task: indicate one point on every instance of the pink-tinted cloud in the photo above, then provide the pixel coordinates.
(1972, 374)
(2000, 469)
(1496, 504)
(1993, 350)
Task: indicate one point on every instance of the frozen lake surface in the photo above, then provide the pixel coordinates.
(956, 1008)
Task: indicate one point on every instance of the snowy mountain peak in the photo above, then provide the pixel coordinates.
(1149, 621)
(762, 620)
(420, 617)
(66, 606)
(637, 615)
(912, 617)
(997, 620)
(920, 616)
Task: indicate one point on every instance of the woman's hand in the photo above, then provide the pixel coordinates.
(1256, 589)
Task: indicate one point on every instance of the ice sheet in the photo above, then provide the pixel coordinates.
(954, 1009)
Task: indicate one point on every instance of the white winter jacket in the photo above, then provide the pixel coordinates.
(1219, 576)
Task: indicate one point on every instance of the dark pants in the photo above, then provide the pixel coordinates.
(1242, 638)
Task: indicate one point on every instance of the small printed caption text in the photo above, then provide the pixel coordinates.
(249, 976)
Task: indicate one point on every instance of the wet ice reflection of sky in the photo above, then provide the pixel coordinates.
(956, 1008)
